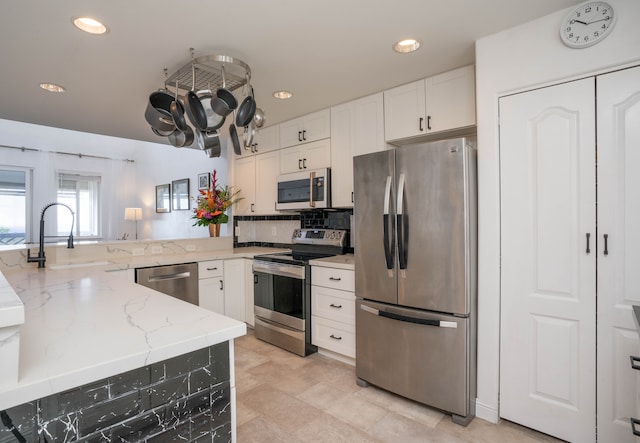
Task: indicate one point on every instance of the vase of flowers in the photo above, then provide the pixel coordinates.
(212, 204)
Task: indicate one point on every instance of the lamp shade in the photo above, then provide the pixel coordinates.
(133, 214)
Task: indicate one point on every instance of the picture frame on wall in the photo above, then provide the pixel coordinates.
(180, 194)
(163, 198)
(204, 181)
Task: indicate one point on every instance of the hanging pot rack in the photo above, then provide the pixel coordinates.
(208, 69)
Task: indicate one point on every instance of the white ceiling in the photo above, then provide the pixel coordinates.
(325, 52)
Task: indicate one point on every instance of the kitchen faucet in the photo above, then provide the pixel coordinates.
(40, 258)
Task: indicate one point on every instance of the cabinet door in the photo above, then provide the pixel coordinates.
(244, 180)
(316, 126)
(451, 100)
(404, 111)
(317, 154)
(291, 159)
(291, 132)
(267, 168)
(267, 139)
(211, 293)
(357, 128)
(234, 297)
(547, 300)
(618, 256)
(249, 317)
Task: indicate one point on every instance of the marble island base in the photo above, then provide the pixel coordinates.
(185, 398)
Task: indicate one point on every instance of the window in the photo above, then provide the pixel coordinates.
(82, 194)
(15, 199)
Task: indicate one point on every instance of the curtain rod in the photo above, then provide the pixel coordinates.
(79, 155)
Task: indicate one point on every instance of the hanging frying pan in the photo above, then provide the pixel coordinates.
(177, 112)
(246, 110)
(233, 134)
(197, 111)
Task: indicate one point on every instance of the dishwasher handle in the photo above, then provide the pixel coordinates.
(165, 277)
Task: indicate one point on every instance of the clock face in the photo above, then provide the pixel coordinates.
(587, 24)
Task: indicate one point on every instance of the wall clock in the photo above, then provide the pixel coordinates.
(587, 24)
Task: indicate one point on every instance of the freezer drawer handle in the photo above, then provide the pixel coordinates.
(634, 362)
(405, 318)
(634, 423)
(169, 276)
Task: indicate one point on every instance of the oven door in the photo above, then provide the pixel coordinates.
(304, 190)
(278, 290)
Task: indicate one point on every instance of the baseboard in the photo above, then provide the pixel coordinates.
(336, 356)
(487, 412)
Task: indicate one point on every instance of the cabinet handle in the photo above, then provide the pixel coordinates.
(212, 269)
(304, 163)
(335, 278)
(351, 196)
(255, 147)
(634, 362)
(253, 207)
(221, 285)
(420, 124)
(304, 134)
(299, 163)
(606, 244)
(335, 306)
(588, 241)
(429, 122)
(255, 279)
(299, 136)
(340, 338)
(634, 423)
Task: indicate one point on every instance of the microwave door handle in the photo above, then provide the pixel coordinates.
(388, 248)
(402, 241)
(312, 176)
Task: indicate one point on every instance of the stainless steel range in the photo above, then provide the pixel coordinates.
(282, 289)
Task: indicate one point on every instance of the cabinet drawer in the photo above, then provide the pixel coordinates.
(333, 304)
(210, 268)
(334, 336)
(343, 279)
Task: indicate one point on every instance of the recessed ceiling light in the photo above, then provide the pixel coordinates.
(282, 95)
(406, 45)
(90, 25)
(52, 87)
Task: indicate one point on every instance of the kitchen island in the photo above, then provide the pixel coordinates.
(104, 358)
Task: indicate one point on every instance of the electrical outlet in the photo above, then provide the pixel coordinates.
(137, 251)
(190, 248)
(156, 249)
(274, 231)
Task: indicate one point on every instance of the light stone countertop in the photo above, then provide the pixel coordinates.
(83, 323)
(345, 261)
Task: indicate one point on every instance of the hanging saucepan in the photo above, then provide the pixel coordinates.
(158, 112)
(224, 101)
(233, 135)
(248, 135)
(207, 140)
(162, 133)
(180, 139)
(258, 118)
(246, 110)
(177, 112)
(195, 105)
(214, 121)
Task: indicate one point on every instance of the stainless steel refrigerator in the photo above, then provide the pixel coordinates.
(415, 266)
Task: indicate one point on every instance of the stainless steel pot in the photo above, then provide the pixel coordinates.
(258, 118)
(158, 112)
(208, 140)
(180, 139)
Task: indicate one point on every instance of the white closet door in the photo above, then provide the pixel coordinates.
(548, 280)
(618, 267)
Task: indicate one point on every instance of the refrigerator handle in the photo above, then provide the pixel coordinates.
(406, 318)
(402, 243)
(388, 248)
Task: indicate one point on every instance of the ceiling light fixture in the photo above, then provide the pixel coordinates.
(90, 25)
(52, 87)
(406, 45)
(282, 95)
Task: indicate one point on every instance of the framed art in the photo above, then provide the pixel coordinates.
(180, 194)
(163, 198)
(204, 181)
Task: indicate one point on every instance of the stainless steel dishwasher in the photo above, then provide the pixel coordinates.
(179, 281)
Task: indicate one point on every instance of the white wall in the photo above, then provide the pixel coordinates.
(518, 59)
(124, 184)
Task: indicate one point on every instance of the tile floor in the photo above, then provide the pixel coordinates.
(285, 398)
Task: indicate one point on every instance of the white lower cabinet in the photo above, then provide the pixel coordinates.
(234, 296)
(211, 285)
(333, 310)
(249, 317)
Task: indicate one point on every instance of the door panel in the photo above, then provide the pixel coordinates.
(434, 227)
(373, 280)
(618, 276)
(547, 173)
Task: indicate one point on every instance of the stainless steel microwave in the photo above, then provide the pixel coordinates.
(304, 190)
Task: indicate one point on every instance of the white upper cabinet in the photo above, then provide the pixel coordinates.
(357, 128)
(440, 103)
(244, 179)
(314, 155)
(265, 140)
(305, 129)
(255, 176)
